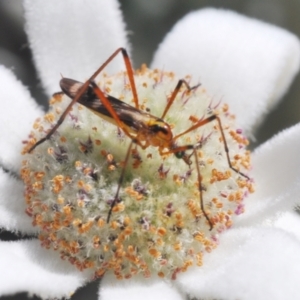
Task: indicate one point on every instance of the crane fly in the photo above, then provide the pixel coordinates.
(143, 128)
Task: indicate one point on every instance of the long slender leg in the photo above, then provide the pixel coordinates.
(184, 148)
(121, 178)
(174, 94)
(202, 123)
(195, 126)
(201, 190)
(187, 160)
(111, 110)
(84, 88)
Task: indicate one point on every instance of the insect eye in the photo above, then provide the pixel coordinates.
(180, 154)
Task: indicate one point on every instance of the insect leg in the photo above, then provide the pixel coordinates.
(175, 92)
(85, 87)
(201, 190)
(202, 123)
(129, 70)
(111, 110)
(121, 178)
(188, 162)
(183, 148)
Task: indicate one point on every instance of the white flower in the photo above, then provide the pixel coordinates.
(246, 63)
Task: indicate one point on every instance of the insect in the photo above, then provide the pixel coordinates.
(143, 128)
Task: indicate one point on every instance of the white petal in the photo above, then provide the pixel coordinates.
(246, 63)
(289, 222)
(18, 112)
(249, 264)
(73, 38)
(26, 267)
(137, 288)
(12, 205)
(276, 166)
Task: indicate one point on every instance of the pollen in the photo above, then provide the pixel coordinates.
(161, 231)
(219, 176)
(63, 139)
(193, 119)
(157, 209)
(49, 117)
(153, 252)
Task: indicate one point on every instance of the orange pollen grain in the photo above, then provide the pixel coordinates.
(67, 209)
(87, 171)
(49, 117)
(96, 241)
(228, 224)
(80, 203)
(126, 221)
(237, 137)
(99, 273)
(114, 225)
(50, 151)
(131, 249)
(78, 164)
(68, 179)
(127, 231)
(199, 260)
(85, 227)
(210, 161)
(161, 274)
(199, 237)
(219, 176)
(219, 205)
(155, 253)
(57, 98)
(231, 197)
(58, 178)
(38, 185)
(193, 119)
(225, 107)
(77, 222)
(186, 265)
(159, 242)
(37, 124)
(118, 207)
(101, 222)
(161, 231)
(80, 184)
(39, 175)
(111, 167)
(208, 249)
(63, 139)
(177, 246)
(193, 208)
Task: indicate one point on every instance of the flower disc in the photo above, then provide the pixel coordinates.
(157, 225)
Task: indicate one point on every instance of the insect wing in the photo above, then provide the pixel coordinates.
(131, 117)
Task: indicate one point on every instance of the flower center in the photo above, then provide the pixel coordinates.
(160, 221)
